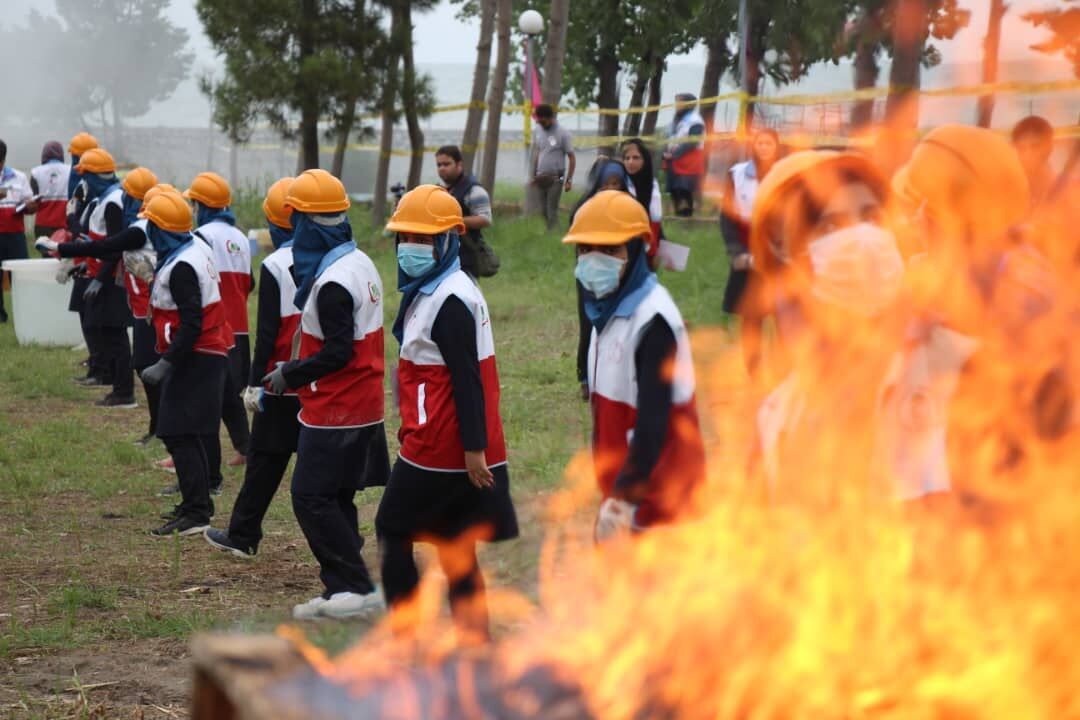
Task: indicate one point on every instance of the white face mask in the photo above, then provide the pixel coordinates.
(857, 268)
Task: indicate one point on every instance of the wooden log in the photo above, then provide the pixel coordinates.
(234, 673)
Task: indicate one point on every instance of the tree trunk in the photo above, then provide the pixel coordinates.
(495, 96)
(309, 98)
(632, 124)
(608, 96)
(866, 76)
(985, 108)
(386, 139)
(408, 92)
(343, 132)
(479, 85)
(649, 127)
(234, 163)
(555, 52)
(754, 57)
(710, 81)
(117, 147)
(909, 40)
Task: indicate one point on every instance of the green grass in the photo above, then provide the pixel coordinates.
(76, 496)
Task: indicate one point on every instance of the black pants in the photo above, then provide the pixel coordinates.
(233, 412)
(584, 336)
(262, 477)
(116, 357)
(143, 355)
(192, 475)
(330, 468)
(97, 365)
(683, 200)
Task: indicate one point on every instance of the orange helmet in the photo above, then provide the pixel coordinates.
(610, 217)
(138, 182)
(210, 189)
(96, 160)
(167, 210)
(274, 205)
(427, 210)
(317, 191)
(81, 143)
(157, 190)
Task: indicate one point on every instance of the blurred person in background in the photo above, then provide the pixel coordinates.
(684, 158)
(477, 257)
(638, 161)
(553, 163)
(1033, 140)
(49, 182)
(16, 199)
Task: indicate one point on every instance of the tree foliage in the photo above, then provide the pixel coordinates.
(1064, 26)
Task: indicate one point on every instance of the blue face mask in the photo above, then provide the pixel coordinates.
(415, 259)
(599, 273)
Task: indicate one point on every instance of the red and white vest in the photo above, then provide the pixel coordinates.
(166, 314)
(52, 184)
(18, 192)
(138, 292)
(96, 227)
(353, 396)
(613, 380)
(744, 178)
(232, 257)
(279, 265)
(692, 162)
(430, 435)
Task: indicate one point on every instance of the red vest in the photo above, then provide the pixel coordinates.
(279, 265)
(166, 315)
(430, 436)
(18, 192)
(352, 396)
(138, 292)
(613, 379)
(52, 184)
(232, 257)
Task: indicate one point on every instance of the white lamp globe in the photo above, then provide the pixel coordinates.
(531, 22)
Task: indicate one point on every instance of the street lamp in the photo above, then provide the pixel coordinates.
(531, 24)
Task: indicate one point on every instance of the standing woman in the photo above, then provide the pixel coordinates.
(740, 189)
(339, 378)
(450, 484)
(638, 161)
(647, 449)
(189, 321)
(76, 203)
(50, 181)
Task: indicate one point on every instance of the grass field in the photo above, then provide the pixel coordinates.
(95, 616)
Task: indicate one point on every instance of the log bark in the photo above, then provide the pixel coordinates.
(984, 112)
(555, 52)
(481, 72)
(496, 94)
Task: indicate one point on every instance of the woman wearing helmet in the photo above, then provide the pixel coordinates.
(647, 448)
(450, 483)
(338, 377)
(274, 427)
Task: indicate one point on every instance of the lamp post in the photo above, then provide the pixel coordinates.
(531, 24)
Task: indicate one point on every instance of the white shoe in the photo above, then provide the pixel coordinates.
(349, 604)
(308, 610)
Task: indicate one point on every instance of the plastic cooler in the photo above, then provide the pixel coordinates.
(39, 305)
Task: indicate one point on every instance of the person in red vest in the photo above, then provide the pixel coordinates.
(450, 483)
(15, 199)
(274, 427)
(648, 452)
(49, 183)
(189, 321)
(685, 154)
(338, 377)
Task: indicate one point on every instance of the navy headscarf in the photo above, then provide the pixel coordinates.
(318, 241)
(166, 244)
(131, 206)
(279, 236)
(98, 184)
(609, 169)
(204, 215)
(447, 247)
(638, 281)
(52, 152)
(73, 176)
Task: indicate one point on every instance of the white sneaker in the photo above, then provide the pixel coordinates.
(349, 604)
(308, 610)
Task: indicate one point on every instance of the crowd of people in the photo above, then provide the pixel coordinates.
(815, 246)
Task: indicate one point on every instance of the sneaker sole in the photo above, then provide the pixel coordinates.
(361, 613)
(197, 530)
(225, 548)
(125, 406)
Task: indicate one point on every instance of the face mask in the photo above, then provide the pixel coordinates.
(599, 273)
(857, 268)
(415, 259)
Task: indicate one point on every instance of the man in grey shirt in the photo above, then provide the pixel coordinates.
(551, 177)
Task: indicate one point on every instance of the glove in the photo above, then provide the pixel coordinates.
(253, 398)
(616, 517)
(140, 263)
(276, 380)
(156, 373)
(92, 290)
(46, 245)
(65, 271)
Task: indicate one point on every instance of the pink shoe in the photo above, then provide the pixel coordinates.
(237, 460)
(166, 464)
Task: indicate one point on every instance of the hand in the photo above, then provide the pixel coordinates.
(569, 184)
(615, 518)
(65, 271)
(31, 207)
(276, 380)
(156, 373)
(46, 245)
(742, 261)
(92, 290)
(476, 466)
(253, 398)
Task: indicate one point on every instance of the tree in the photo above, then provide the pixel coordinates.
(389, 96)
(497, 93)
(985, 108)
(1064, 26)
(555, 52)
(481, 72)
(360, 45)
(717, 23)
(416, 94)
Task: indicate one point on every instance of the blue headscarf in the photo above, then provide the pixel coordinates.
(204, 215)
(636, 284)
(131, 206)
(166, 244)
(447, 247)
(279, 236)
(99, 184)
(316, 246)
(73, 176)
(613, 169)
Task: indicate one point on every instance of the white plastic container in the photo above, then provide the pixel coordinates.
(39, 305)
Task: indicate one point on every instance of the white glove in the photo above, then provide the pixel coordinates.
(63, 273)
(616, 517)
(140, 263)
(44, 244)
(253, 398)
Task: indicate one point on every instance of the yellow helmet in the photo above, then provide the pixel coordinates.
(96, 160)
(968, 176)
(427, 210)
(610, 217)
(274, 205)
(167, 210)
(317, 191)
(138, 182)
(81, 143)
(210, 189)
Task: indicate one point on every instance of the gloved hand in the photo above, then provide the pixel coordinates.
(156, 373)
(65, 271)
(140, 263)
(276, 380)
(253, 398)
(46, 245)
(616, 517)
(92, 290)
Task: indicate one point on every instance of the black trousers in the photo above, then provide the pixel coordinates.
(683, 199)
(330, 468)
(97, 365)
(143, 355)
(262, 477)
(116, 356)
(192, 475)
(233, 412)
(584, 336)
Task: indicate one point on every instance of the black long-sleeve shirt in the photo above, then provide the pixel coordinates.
(653, 361)
(114, 225)
(267, 326)
(734, 229)
(454, 332)
(184, 287)
(335, 307)
(132, 238)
